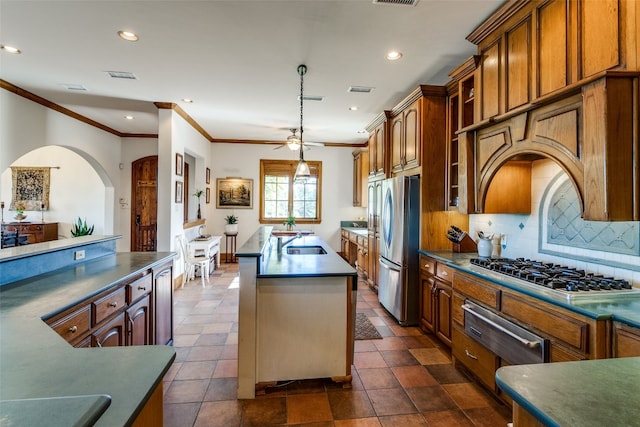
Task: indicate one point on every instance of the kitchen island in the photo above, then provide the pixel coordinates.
(296, 312)
(590, 393)
(46, 381)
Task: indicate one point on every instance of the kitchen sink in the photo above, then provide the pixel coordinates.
(306, 250)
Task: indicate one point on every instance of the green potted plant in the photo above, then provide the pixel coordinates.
(198, 194)
(232, 224)
(20, 207)
(81, 228)
(290, 222)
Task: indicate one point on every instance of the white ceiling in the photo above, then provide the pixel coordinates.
(236, 59)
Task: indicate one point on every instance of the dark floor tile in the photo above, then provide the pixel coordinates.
(449, 419)
(446, 373)
(378, 378)
(393, 401)
(350, 404)
(186, 391)
(226, 413)
(264, 412)
(222, 389)
(431, 398)
(487, 417)
(398, 358)
(180, 414)
(411, 420)
(307, 408)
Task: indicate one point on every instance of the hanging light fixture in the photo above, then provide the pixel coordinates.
(302, 171)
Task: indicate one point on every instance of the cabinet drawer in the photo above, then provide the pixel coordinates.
(139, 288)
(479, 292)
(475, 357)
(74, 325)
(566, 329)
(444, 272)
(427, 264)
(107, 305)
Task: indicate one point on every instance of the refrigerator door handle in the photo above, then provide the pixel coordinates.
(390, 265)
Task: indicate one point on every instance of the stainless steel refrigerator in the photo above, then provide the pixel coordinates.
(398, 287)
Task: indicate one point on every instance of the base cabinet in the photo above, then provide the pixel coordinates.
(136, 311)
(626, 340)
(435, 298)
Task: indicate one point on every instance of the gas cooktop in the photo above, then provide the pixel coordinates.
(567, 280)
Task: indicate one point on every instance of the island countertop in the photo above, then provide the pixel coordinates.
(36, 363)
(589, 393)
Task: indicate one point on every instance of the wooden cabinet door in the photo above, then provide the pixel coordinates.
(138, 318)
(442, 300)
(397, 148)
(163, 305)
(412, 136)
(427, 315)
(112, 334)
(626, 341)
(380, 150)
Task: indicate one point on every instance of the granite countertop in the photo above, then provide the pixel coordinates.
(622, 308)
(590, 393)
(36, 363)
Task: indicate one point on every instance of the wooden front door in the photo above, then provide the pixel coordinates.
(144, 204)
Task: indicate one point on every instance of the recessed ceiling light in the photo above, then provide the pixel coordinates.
(128, 117)
(187, 100)
(353, 108)
(10, 49)
(394, 55)
(128, 36)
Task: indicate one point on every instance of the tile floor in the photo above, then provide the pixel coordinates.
(405, 379)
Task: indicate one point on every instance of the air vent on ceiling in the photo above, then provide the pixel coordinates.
(360, 89)
(400, 2)
(311, 98)
(122, 75)
(73, 86)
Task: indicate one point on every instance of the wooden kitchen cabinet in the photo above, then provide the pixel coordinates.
(73, 325)
(378, 145)
(363, 255)
(163, 304)
(112, 334)
(360, 177)
(138, 321)
(374, 209)
(435, 298)
(626, 340)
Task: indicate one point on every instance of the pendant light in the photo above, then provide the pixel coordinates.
(302, 171)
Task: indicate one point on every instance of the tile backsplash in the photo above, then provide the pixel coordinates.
(528, 235)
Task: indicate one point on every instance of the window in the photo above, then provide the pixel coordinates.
(280, 196)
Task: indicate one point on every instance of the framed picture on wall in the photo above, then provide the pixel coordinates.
(179, 164)
(234, 193)
(208, 176)
(208, 195)
(178, 191)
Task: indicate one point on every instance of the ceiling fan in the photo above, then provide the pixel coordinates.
(293, 142)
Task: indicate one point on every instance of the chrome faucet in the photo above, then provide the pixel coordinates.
(282, 244)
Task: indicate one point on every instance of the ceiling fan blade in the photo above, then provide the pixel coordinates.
(315, 144)
(280, 146)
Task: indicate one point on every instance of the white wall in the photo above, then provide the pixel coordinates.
(243, 160)
(522, 232)
(26, 126)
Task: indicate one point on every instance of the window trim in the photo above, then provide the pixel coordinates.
(290, 167)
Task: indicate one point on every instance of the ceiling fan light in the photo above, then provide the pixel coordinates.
(302, 172)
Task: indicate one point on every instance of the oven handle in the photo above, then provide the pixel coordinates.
(530, 344)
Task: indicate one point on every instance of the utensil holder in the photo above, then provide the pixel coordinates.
(465, 245)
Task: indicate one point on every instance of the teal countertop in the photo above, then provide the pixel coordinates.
(36, 363)
(590, 393)
(622, 308)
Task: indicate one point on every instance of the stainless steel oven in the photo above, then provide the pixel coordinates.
(504, 338)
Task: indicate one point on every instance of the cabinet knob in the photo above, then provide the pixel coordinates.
(113, 304)
(427, 266)
(142, 288)
(444, 273)
(73, 329)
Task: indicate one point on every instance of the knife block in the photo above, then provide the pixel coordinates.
(465, 245)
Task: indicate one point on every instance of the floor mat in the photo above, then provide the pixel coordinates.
(365, 329)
